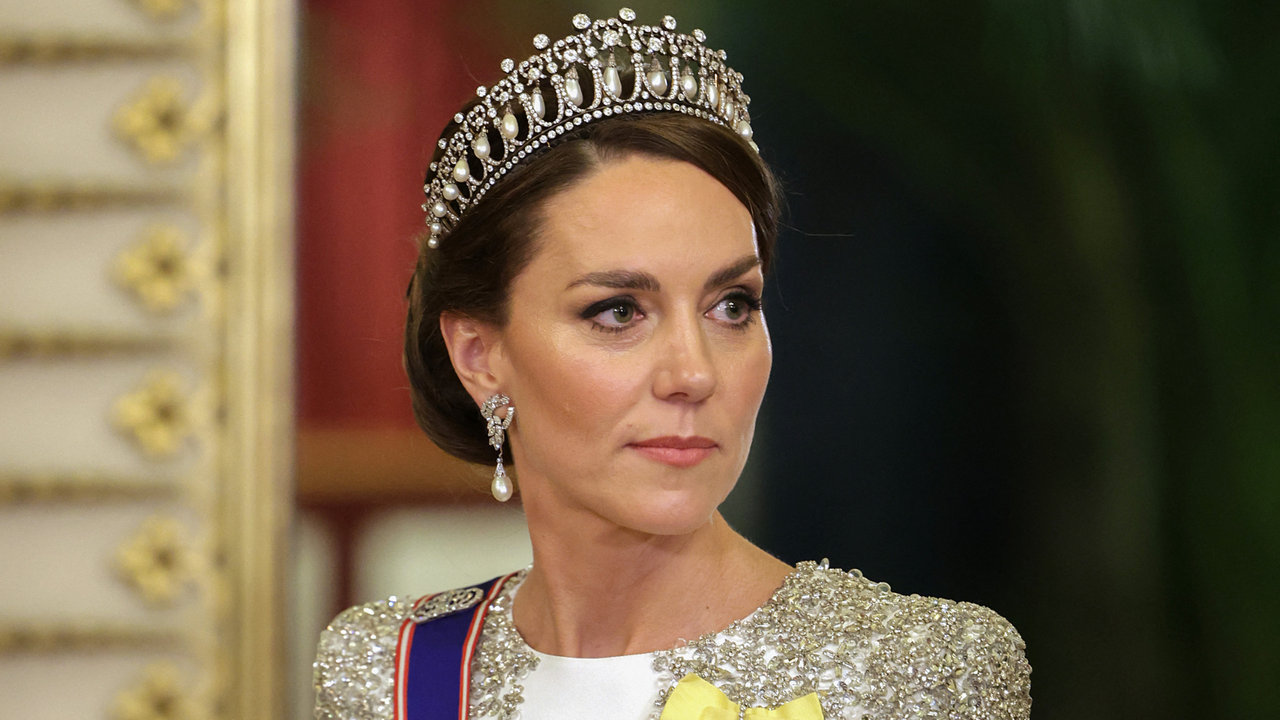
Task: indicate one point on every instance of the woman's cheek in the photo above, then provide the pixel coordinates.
(588, 384)
(752, 378)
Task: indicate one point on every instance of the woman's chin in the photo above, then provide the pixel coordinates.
(668, 512)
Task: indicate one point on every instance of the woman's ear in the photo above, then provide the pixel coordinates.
(472, 346)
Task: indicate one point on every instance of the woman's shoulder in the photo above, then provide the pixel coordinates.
(942, 653)
(882, 654)
(815, 590)
(355, 661)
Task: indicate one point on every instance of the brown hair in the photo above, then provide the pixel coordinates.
(470, 273)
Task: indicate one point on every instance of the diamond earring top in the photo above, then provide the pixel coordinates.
(551, 88)
(501, 486)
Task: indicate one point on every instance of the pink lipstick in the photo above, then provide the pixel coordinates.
(676, 451)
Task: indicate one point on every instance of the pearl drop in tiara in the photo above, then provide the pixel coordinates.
(490, 138)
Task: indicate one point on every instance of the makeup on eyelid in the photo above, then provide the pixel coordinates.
(750, 300)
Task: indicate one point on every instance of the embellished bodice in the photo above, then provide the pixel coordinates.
(869, 653)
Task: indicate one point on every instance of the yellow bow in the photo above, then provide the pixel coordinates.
(696, 699)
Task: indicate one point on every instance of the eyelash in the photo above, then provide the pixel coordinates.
(750, 299)
(614, 302)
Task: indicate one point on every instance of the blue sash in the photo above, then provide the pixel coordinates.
(433, 657)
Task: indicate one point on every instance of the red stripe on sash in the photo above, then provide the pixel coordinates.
(402, 657)
(469, 648)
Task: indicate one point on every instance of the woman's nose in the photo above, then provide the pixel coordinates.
(685, 371)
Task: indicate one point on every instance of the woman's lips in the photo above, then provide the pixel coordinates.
(676, 451)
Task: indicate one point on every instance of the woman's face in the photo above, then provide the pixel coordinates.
(635, 352)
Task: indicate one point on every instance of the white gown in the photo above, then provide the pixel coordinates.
(612, 688)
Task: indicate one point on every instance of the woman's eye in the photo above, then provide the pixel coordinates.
(615, 315)
(735, 309)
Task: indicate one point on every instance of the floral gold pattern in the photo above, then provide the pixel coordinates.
(225, 120)
(157, 696)
(156, 560)
(157, 269)
(159, 123)
(156, 416)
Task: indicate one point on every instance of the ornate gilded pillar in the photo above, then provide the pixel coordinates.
(146, 275)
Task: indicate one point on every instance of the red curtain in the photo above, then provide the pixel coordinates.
(379, 81)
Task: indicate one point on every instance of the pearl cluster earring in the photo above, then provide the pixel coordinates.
(501, 486)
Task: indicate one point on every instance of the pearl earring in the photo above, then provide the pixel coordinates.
(501, 486)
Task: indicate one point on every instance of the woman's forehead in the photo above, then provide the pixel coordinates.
(643, 210)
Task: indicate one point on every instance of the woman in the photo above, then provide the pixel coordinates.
(600, 230)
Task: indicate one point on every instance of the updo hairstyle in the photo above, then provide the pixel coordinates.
(471, 271)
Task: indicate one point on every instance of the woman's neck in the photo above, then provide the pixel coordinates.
(598, 590)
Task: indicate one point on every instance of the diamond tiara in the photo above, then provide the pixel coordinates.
(490, 140)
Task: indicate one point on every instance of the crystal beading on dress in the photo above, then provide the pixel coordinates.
(869, 653)
(489, 139)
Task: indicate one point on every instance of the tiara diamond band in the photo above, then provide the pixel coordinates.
(573, 81)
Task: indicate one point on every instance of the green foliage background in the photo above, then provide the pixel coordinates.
(1119, 160)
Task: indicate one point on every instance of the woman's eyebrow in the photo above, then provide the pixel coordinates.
(619, 280)
(731, 273)
(638, 280)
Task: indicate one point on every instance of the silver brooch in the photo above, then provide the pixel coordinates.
(447, 603)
